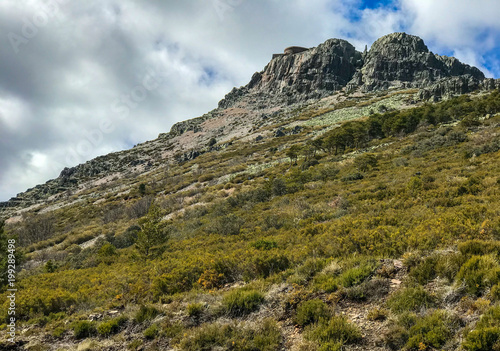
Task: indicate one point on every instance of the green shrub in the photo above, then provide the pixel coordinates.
(152, 331)
(486, 336)
(352, 177)
(410, 299)
(479, 273)
(432, 330)
(395, 337)
(83, 329)
(307, 270)
(264, 244)
(495, 292)
(425, 271)
(134, 345)
(332, 333)
(112, 326)
(58, 332)
(484, 339)
(146, 313)
(377, 314)
(266, 337)
(241, 302)
(478, 248)
(195, 310)
(353, 271)
(311, 311)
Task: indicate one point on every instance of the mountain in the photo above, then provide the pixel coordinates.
(340, 200)
(395, 61)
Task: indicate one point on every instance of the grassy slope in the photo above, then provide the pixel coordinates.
(251, 218)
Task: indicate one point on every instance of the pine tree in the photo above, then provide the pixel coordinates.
(152, 233)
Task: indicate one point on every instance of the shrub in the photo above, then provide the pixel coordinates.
(352, 177)
(307, 270)
(58, 332)
(495, 292)
(479, 273)
(332, 333)
(265, 244)
(83, 329)
(377, 314)
(356, 275)
(395, 337)
(486, 336)
(410, 299)
(112, 326)
(311, 311)
(152, 332)
(425, 270)
(195, 310)
(240, 302)
(146, 313)
(432, 330)
(478, 248)
(266, 337)
(134, 345)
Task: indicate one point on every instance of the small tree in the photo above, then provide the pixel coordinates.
(152, 233)
(142, 189)
(293, 153)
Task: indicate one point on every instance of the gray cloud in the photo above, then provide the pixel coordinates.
(75, 71)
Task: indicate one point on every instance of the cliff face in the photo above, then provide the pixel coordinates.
(395, 60)
(305, 75)
(404, 60)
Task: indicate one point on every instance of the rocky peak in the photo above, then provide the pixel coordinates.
(403, 60)
(395, 60)
(303, 74)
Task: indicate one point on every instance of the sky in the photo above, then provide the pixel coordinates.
(79, 79)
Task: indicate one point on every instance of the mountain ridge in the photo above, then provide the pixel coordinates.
(395, 61)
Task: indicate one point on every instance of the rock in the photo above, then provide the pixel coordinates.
(404, 61)
(259, 138)
(279, 133)
(395, 283)
(95, 317)
(312, 73)
(398, 264)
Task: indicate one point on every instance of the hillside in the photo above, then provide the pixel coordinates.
(340, 201)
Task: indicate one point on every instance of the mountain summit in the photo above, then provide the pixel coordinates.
(397, 60)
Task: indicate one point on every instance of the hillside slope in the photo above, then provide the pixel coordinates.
(359, 215)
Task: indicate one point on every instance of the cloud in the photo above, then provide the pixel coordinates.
(469, 29)
(72, 74)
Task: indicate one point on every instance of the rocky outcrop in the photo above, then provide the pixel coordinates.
(397, 60)
(402, 60)
(302, 75)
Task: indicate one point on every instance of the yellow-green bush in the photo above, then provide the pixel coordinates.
(83, 329)
(486, 335)
(410, 299)
(332, 333)
(111, 326)
(479, 273)
(311, 311)
(242, 301)
(265, 337)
